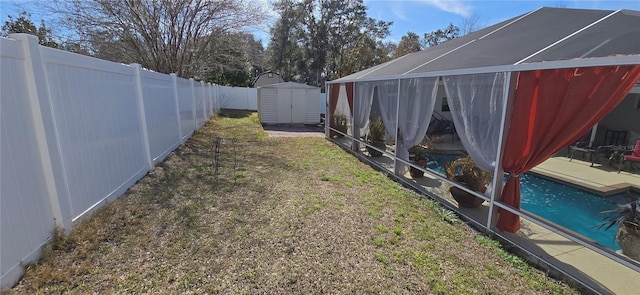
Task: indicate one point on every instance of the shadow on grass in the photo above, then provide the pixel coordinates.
(235, 114)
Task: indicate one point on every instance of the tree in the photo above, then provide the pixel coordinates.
(168, 36)
(470, 24)
(282, 46)
(370, 50)
(408, 44)
(23, 24)
(234, 59)
(440, 36)
(316, 40)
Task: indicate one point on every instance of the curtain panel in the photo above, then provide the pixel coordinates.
(386, 93)
(349, 88)
(364, 98)
(344, 104)
(551, 109)
(476, 103)
(333, 103)
(417, 100)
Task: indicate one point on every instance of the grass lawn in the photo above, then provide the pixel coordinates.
(296, 215)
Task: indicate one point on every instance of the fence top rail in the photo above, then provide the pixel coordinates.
(54, 56)
(11, 48)
(146, 74)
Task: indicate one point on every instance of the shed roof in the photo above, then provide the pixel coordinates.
(543, 35)
(289, 85)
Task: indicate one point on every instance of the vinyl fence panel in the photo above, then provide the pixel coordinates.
(238, 98)
(97, 118)
(200, 104)
(252, 99)
(75, 133)
(160, 113)
(185, 104)
(26, 219)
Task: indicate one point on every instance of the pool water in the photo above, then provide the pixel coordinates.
(570, 207)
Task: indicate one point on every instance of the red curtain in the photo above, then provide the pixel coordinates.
(551, 109)
(334, 91)
(349, 87)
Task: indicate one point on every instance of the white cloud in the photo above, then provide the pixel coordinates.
(454, 6)
(398, 10)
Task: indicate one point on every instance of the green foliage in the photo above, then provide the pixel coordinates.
(376, 130)
(382, 258)
(440, 36)
(340, 122)
(235, 59)
(624, 214)
(419, 152)
(422, 150)
(466, 171)
(382, 228)
(379, 241)
(23, 24)
(408, 44)
(314, 40)
(448, 216)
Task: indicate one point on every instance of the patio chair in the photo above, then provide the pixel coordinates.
(439, 125)
(584, 146)
(633, 156)
(594, 150)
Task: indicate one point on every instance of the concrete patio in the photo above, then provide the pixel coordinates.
(600, 179)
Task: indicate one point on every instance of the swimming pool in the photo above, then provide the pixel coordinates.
(567, 206)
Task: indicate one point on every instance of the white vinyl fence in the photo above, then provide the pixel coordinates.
(239, 98)
(75, 133)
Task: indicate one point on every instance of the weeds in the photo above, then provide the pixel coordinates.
(295, 215)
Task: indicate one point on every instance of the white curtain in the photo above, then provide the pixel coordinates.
(476, 103)
(342, 107)
(362, 106)
(387, 95)
(417, 100)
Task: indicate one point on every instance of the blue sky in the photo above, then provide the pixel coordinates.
(423, 16)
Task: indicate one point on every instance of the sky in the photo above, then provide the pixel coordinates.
(423, 16)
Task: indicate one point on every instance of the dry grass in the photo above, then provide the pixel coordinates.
(297, 215)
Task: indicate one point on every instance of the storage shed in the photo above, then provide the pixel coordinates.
(289, 103)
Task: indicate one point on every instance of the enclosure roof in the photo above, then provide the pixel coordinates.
(289, 85)
(543, 35)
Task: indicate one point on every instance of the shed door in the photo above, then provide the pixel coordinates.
(268, 105)
(313, 106)
(298, 105)
(284, 106)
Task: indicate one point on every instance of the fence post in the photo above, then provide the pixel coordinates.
(218, 104)
(46, 132)
(193, 100)
(204, 103)
(216, 98)
(174, 84)
(143, 117)
(207, 96)
(205, 92)
(210, 100)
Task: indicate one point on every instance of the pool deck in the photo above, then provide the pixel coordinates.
(577, 260)
(605, 275)
(600, 179)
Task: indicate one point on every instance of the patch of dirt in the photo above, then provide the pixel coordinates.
(294, 130)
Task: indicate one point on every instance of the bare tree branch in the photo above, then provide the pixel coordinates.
(168, 36)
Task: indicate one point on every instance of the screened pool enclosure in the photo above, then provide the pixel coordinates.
(514, 93)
